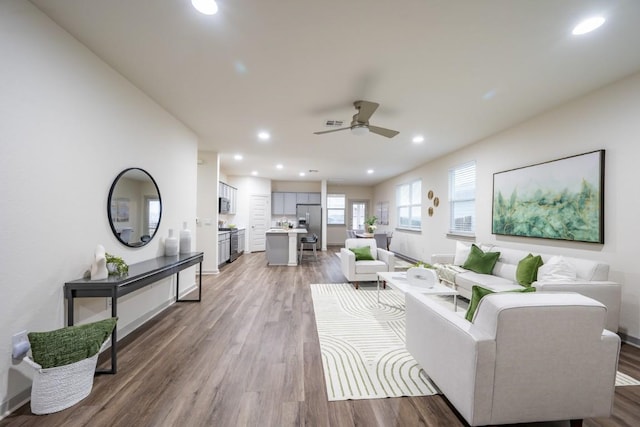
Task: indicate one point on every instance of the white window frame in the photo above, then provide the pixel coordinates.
(343, 209)
(462, 199)
(414, 206)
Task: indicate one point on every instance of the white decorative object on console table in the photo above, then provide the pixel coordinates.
(170, 245)
(185, 239)
(99, 267)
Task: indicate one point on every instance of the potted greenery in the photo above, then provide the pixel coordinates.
(371, 224)
(116, 265)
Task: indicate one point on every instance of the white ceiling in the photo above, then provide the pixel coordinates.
(287, 66)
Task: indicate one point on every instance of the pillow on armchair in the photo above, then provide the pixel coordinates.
(478, 292)
(363, 253)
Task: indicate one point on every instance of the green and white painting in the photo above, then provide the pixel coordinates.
(561, 199)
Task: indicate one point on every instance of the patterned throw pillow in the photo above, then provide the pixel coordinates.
(71, 344)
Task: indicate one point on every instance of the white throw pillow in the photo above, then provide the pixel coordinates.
(462, 253)
(557, 269)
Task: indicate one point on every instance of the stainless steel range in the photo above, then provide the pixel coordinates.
(233, 253)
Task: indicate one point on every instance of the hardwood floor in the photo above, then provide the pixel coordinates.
(248, 355)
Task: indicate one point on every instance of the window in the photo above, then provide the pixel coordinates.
(409, 202)
(358, 214)
(462, 196)
(336, 204)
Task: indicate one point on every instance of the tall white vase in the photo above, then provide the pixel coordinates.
(185, 239)
(170, 245)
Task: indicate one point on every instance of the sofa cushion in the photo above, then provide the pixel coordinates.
(468, 279)
(70, 344)
(370, 267)
(462, 253)
(557, 269)
(527, 271)
(479, 261)
(478, 292)
(362, 253)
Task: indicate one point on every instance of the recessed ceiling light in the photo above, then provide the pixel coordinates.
(207, 7)
(418, 139)
(279, 166)
(301, 174)
(238, 157)
(254, 173)
(264, 136)
(588, 25)
(369, 171)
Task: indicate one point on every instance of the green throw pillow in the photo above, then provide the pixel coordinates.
(481, 262)
(363, 253)
(527, 270)
(71, 344)
(477, 292)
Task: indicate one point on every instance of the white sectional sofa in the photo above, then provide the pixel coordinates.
(527, 357)
(562, 274)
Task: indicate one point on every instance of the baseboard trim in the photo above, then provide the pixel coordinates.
(10, 405)
(24, 396)
(628, 339)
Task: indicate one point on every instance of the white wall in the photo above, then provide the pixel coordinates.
(207, 228)
(605, 119)
(68, 125)
(336, 234)
(248, 186)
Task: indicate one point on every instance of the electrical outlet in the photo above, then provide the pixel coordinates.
(107, 303)
(20, 345)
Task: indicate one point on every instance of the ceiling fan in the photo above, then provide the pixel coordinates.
(360, 123)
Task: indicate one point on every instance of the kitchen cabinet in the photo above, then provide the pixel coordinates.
(277, 203)
(228, 192)
(224, 247)
(284, 203)
(290, 202)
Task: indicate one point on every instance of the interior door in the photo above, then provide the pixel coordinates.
(258, 219)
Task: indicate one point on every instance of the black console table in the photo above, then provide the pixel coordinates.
(140, 275)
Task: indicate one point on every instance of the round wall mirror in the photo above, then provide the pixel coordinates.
(134, 207)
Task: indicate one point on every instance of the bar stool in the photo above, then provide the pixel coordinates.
(312, 240)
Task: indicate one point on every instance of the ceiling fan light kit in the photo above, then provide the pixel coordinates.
(360, 123)
(359, 130)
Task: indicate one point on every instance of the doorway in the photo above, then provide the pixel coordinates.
(357, 214)
(259, 217)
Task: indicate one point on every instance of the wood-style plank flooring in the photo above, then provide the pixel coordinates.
(248, 355)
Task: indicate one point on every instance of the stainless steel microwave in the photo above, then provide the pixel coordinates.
(224, 205)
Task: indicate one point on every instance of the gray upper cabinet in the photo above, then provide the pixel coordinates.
(277, 203)
(314, 198)
(290, 202)
(228, 192)
(284, 203)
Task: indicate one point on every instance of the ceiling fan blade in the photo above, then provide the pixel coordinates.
(383, 131)
(329, 131)
(365, 110)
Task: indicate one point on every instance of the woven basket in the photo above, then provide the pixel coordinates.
(55, 389)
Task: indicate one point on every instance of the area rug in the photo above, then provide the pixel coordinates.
(363, 344)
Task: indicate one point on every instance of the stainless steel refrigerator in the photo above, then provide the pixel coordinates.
(312, 216)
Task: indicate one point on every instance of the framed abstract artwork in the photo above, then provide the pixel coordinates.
(561, 199)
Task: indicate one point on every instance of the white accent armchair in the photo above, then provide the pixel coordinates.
(356, 271)
(541, 356)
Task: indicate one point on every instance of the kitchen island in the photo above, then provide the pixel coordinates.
(282, 246)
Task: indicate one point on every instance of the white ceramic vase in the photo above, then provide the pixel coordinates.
(170, 245)
(185, 239)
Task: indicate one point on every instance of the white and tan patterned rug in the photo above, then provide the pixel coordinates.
(363, 345)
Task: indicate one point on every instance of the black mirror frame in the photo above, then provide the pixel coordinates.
(111, 222)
